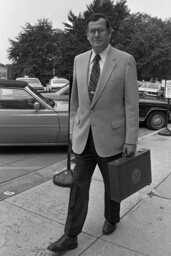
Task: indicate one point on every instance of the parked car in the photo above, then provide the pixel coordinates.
(150, 89)
(62, 94)
(33, 82)
(57, 83)
(28, 118)
(139, 83)
(153, 112)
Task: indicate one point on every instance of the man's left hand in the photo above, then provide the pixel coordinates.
(129, 149)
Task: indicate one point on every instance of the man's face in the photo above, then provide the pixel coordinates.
(98, 35)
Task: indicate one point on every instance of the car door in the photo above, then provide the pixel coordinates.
(20, 123)
(143, 110)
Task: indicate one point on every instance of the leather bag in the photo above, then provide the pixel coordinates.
(129, 174)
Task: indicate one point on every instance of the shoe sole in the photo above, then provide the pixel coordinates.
(63, 250)
(108, 233)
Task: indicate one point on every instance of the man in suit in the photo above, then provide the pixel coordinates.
(103, 123)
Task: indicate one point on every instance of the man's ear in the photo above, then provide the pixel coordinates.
(87, 35)
(111, 31)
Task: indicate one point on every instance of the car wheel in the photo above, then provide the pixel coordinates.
(156, 120)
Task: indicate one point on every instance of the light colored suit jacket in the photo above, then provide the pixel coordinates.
(113, 114)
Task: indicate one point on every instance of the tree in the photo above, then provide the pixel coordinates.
(73, 42)
(42, 51)
(35, 49)
(75, 39)
(147, 39)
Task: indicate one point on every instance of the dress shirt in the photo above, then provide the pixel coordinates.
(103, 56)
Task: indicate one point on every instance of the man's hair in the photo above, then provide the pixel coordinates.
(97, 16)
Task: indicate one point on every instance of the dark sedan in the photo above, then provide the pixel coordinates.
(153, 112)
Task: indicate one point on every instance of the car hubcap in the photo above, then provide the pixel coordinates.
(158, 122)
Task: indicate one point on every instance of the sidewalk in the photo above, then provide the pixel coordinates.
(31, 220)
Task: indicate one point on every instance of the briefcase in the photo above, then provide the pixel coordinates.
(129, 174)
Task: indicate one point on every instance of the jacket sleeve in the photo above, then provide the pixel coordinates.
(73, 99)
(131, 102)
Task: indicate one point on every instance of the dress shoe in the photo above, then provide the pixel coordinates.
(108, 228)
(65, 243)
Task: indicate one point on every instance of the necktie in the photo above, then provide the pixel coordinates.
(94, 77)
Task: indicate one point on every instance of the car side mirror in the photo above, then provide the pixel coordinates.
(36, 106)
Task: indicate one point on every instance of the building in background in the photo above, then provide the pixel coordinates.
(3, 72)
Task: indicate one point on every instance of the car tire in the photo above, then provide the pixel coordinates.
(156, 120)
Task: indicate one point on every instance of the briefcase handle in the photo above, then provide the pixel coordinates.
(138, 151)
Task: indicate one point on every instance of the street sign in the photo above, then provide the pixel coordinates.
(168, 89)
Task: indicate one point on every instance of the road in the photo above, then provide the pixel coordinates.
(144, 131)
(24, 167)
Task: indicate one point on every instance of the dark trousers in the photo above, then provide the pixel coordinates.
(79, 193)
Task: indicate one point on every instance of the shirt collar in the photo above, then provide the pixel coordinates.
(103, 54)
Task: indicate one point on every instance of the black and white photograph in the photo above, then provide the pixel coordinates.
(85, 128)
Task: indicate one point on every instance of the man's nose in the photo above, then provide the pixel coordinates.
(97, 33)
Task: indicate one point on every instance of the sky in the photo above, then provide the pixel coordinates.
(14, 14)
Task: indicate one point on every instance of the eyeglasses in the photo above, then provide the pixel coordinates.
(99, 30)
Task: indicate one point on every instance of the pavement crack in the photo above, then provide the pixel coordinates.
(155, 193)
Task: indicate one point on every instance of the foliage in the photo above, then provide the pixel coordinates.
(147, 39)
(42, 51)
(75, 30)
(35, 49)
(74, 42)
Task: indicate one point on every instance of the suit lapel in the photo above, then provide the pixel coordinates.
(109, 66)
(84, 75)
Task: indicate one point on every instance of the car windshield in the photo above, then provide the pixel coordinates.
(150, 86)
(47, 100)
(34, 82)
(30, 80)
